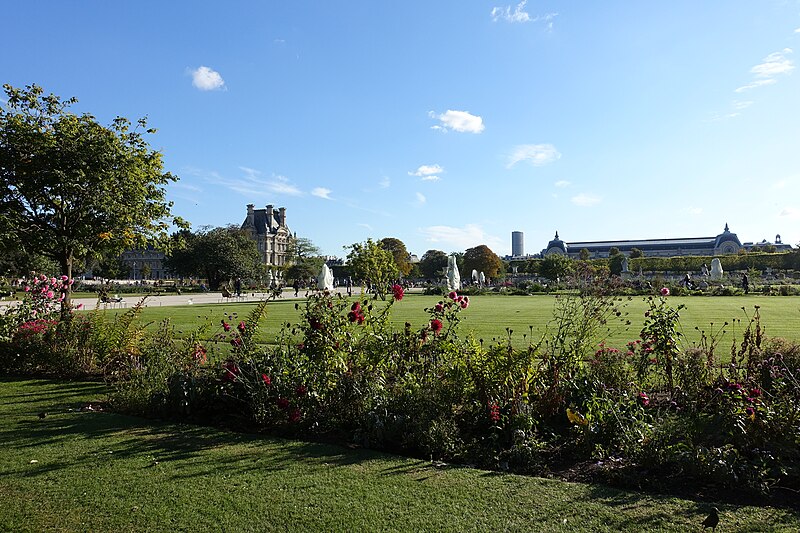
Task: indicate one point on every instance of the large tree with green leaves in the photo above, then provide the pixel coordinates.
(72, 189)
(217, 254)
(433, 264)
(399, 252)
(482, 259)
(368, 261)
(303, 259)
(555, 266)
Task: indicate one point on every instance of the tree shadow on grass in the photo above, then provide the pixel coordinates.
(194, 450)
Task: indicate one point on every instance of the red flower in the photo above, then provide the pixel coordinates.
(236, 342)
(494, 411)
(439, 308)
(314, 323)
(231, 371)
(398, 292)
(266, 380)
(356, 307)
(283, 403)
(301, 390)
(436, 326)
(226, 326)
(241, 326)
(294, 415)
(452, 295)
(664, 291)
(352, 316)
(644, 398)
(464, 302)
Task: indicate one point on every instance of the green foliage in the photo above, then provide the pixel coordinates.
(433, 264)
(372, 264)
(399, 252)
(218, 255)
(555, 266)
(483, 259)
(72, 189)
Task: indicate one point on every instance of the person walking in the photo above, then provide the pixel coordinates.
(745, 283)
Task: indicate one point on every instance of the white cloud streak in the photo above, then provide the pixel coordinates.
(428, 172)
(460, 121)
(207, 79)
(585, 200)
(421, 199)
(535, 154)
(321, 192)
(460, 239)
(562, 184)
(519, 15)
(765, 73)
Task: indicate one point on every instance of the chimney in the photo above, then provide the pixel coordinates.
(282, 221)
(269, 214)
(250, 215)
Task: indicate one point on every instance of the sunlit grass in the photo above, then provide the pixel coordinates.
(76, 470)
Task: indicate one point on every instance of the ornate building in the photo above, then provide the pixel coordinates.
(722, 244)
(268, 228)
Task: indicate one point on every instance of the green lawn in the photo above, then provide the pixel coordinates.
(489, 316)
(90, 471)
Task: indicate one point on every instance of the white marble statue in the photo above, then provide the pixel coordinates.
(453, 277)
(716, 269)
(325, 279)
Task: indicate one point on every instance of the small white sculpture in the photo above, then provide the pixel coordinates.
(453, 277)
(716, 269)
(325, 279)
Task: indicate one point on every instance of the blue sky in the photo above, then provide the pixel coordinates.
(446, 124)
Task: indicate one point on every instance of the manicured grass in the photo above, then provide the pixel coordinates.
(489, 316)
(108, 472)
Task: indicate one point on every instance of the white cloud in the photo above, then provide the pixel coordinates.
(207, 79)
(755, 84)
(421, 198)
(693, 210)
(585, 200)
(536, 154)
(252, 184)
(797, 30)
(460, 121)
(281, 185)
(790, 212)
(562, 183)
(364, 225)
(520, 15)
(322, 192)
(428, 172)
(765, 72)
(385, 182)
(774, 64)
(460, 239)
(742, 104)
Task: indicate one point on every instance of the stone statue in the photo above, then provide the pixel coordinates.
(482, 279)
(625, 265)
(325, 279)
(716, 269)
(474, 276)
(453, 277)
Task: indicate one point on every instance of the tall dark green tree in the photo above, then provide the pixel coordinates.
(72, 189)
(433, 264)
(218, 255)
(555, 266)
(303, 259)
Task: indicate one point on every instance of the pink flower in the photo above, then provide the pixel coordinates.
(241, 327)
(664, 291)
(436, 326)
(464, 302)
(79, 307)
(398, 292)
(226, 326)
(644, 398)
(266, 380)
(27, 288)
(439, 308)
(53, 281)
(64, 278)
(494, 411)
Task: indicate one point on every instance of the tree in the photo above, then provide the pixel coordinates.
(585, 254)
(433, 264)
(613, 251)
(635, 253)
(218, 255)
(368, 261)
(72, 189)
(482, 259)
(399, 252)
(555, 266)
(303, 258)
(111, 268)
